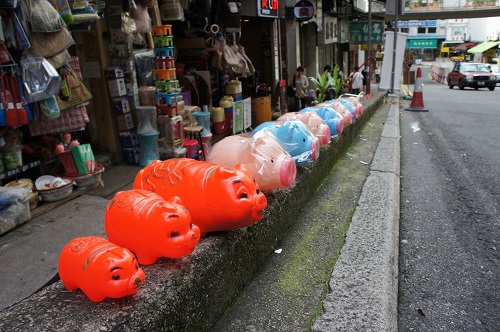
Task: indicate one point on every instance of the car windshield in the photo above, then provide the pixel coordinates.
(474, 67)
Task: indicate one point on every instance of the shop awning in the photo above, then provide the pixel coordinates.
(483, 47)
(464, 47)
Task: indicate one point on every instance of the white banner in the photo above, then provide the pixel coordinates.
(386, 74)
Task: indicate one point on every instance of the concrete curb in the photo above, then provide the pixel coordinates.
(364, 282)
(191, 293)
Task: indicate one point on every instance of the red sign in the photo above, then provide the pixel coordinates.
(267, 8)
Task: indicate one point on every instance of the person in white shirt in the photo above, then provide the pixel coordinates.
(357, 81)
(377, 75)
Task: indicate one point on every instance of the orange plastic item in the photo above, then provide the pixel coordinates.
(99, 268)
(149, 226)
(217, 197)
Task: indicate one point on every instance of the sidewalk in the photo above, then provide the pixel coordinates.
(29, 254)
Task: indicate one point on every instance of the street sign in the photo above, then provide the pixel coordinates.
(359, 32)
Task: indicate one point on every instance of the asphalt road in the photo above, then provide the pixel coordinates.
(450, 213)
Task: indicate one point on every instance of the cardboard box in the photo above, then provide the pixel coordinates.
(117, 87)
(121, 105)
(131, 155)
(113, 72)
(129, 139)
(125, 122)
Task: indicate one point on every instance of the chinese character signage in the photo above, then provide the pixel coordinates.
(359, 32)
(330, 32)
(267, 8)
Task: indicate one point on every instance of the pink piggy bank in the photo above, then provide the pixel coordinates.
(313, 122)
(150, 226)
(99, 268)
(262, 154)
(217, 197)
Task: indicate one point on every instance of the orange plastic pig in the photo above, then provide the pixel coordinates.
(217, 197)
(150, 226)
(99, 268)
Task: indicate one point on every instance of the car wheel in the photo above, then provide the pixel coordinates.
(450, 85)
(461, 85)
(492, 88)
(476, 88)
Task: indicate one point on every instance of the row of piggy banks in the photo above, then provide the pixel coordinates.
(175, 202)
(172, 204)
(275, 148)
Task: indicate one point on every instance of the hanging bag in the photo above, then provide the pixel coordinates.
(77, 91)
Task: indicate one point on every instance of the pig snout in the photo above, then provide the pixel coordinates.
(260, 204)
(192, 237)
(315, 148)
(340, 127)
(136, 282)
(325, 135)
(288, 172)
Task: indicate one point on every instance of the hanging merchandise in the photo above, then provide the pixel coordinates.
(49, 108)
(50, 44)
(41, 80)
(62, 6)
(77, 92)
(44, 17)
(171, 10)
(141, 18)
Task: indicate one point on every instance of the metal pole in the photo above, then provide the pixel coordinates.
(394, 46)
(369, 80)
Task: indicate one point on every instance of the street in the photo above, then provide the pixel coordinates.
(449, 227)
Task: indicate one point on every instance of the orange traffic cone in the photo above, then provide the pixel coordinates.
(417, 103)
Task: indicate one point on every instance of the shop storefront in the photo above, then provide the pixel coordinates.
(105, 69)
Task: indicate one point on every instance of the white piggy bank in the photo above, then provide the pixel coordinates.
(262, 154)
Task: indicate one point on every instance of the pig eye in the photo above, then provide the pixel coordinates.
(136, 266)
(257, 191)
(174, 234)
(272, 160)
(115, 277)
(304, 140)
(191, 225)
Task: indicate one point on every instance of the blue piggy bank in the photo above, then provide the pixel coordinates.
(295, 138)
(330, 117)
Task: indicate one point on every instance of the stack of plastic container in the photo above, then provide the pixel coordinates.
(168, 100)
(147, 130)
(234, 90)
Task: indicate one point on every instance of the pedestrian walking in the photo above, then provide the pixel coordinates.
(377, 75)
(357, 81)
(300, 83)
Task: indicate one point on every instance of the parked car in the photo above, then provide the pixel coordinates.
(474, 75)
(495, 69)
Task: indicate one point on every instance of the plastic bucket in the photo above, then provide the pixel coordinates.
(261, 106)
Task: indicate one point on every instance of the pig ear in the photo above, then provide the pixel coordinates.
(175, 200)
(241, 167)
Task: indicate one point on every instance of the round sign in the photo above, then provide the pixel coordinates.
(303, 10)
